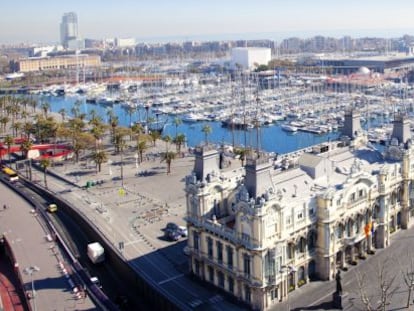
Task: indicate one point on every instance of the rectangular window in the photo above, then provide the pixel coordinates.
(197, 267)
(247, 293)
(353, 197)
(210, 247)
(273, 294)
(361, 193)
(229, 250)
(246, 265)
(300, 215)
(211, 274)
(220, 279)
(338, 202)
(196, 240)
(231, 285)
(219, 251)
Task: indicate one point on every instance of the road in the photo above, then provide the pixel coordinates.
(27, 236)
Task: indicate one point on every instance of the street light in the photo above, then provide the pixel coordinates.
(288, 269)
(136, 159)
(30, 270)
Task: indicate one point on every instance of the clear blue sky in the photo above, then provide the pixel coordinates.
(38, 20)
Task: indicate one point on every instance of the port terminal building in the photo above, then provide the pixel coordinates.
(78, 61)
(262, 230)
(378, 64)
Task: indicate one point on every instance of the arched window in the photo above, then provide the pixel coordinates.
(340, 230)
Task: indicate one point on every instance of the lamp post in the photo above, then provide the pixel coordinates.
(110, 169)
(30, 270)
(136, 159)
(288, 269)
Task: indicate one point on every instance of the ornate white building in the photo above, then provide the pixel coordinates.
(261, 231)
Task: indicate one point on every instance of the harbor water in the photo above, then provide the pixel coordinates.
(269, 138)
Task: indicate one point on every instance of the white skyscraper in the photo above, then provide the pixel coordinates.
(68, 28)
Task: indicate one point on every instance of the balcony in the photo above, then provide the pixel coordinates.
(221, 230)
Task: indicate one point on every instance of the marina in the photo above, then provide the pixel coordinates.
(278, 120)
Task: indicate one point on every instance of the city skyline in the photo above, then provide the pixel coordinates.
(182, 20)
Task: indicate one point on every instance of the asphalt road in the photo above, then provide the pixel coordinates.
(27, 236)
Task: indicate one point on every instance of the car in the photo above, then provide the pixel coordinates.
(182, 231)
(171, 227)
(173, 235)
(52, 208)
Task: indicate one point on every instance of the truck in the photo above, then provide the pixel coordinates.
(96, 252)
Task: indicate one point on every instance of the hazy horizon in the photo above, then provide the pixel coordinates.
(181, 20)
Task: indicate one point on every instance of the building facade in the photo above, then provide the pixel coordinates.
(249, 57)
(262, 230)
(58, 63)
(68, 28)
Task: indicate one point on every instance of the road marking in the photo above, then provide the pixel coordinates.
(170, 279)
(133, 242)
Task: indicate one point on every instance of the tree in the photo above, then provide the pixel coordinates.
(45, 106)
(383, 287)
(179, 141)
(62, 112)
(44, 164)
(167, 139)
(241, 153)
(8, 140)
(99, 157)
(4, 120)
(141, 147)
(154, 136)
(408, 277)
(177, 123)
(25, 147)
(207, 131)
(168, 157)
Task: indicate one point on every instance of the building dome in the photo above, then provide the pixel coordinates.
(364, 71)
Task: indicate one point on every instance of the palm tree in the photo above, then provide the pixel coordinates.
(62, 112)
(168, 157)
(99, 157)
(177, 123)
(179, 142)
(154, 136)
(207, 131)
(45, 163)
(141, 147)
(167, 139)
(45, 106)
(25, 147)
(8, 140)
(4, 120)
(242, 153)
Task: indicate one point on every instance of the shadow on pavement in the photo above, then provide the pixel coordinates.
(327, 305)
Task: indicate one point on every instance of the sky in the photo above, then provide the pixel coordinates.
(37, 21)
